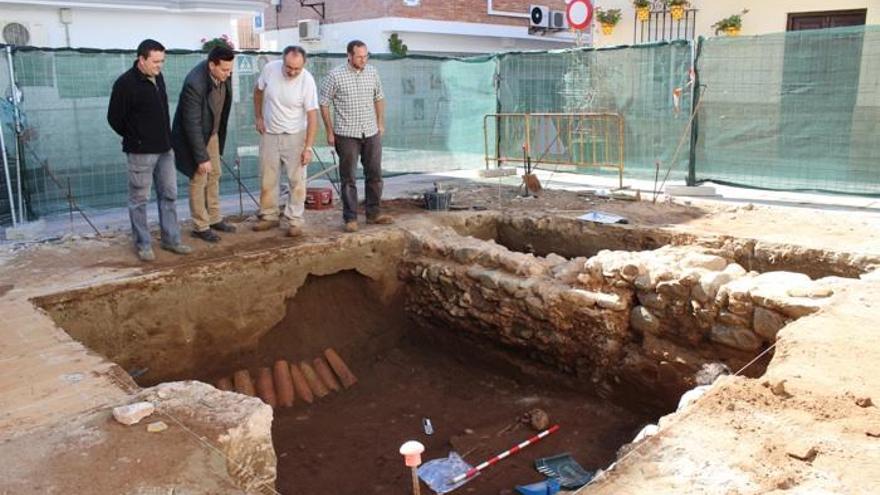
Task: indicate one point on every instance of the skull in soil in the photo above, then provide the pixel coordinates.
(538, 419)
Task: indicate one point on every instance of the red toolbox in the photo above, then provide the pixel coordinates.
(319, 198)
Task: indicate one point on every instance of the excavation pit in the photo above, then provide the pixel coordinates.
(444, 321)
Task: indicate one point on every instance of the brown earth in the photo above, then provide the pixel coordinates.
(347, 443)
(406, 374)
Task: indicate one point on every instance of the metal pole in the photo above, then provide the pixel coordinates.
(238, 178)
(486, 140)
(326, 170)
(695, 127)
(240, 192)
(17, 117)
(70, 202)
(8, 178)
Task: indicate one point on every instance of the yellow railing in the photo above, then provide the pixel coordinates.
(580, 140)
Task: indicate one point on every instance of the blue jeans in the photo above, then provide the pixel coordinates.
(143, 169)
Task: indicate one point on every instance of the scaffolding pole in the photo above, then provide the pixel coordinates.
(17, 126)
(8, 179)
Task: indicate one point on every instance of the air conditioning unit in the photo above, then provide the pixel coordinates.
(23, 33)
(309, 29)
(558, 20)
(16, 33)
(539, 16)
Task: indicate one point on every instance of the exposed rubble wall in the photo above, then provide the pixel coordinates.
(569, 237)
(634, 324)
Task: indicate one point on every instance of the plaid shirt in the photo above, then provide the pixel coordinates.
(353, 95)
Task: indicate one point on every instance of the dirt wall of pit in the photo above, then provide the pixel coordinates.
(191, 320)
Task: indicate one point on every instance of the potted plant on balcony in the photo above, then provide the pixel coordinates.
(222, 40)
(608, 19)
(676, 8)
(396, 46)
(731, 25)
(643, 9)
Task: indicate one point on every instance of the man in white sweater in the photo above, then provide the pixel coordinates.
(286, 116)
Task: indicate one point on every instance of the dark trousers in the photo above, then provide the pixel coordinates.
(369, 150)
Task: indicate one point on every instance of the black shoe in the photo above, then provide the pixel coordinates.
(206, 235)
(223, 226)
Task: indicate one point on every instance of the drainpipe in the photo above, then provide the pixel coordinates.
(492, 11)
(65, 15)
(16, 115)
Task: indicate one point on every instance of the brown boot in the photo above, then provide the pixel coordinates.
(351, 226)
(294, 231)
(381, 219)
(264, 225)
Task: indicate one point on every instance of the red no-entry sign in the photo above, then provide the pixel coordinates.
(579, 13)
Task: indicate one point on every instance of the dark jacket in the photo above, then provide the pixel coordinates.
(138, 112)
(194, 120)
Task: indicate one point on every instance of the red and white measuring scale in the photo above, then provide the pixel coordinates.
(507, 453)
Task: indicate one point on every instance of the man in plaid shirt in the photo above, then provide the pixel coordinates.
(356, 129)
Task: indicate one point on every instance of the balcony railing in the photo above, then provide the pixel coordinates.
(661, 26)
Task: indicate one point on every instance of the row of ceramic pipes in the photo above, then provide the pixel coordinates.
(285, 382)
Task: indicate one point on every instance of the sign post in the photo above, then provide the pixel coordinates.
(579, 14)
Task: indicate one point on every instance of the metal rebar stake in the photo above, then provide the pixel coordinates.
(70, 203)
(70, 198)
(240, 198)
(240, 183)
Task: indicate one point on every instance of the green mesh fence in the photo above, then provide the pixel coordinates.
(784, 111)
(433, 122)
(635, 82)
(792, 111)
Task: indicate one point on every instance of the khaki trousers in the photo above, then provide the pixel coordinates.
(204, 191)
(276, 151)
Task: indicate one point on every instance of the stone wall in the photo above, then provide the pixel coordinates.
(630, 323)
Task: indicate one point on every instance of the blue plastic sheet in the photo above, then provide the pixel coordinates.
(438, 473)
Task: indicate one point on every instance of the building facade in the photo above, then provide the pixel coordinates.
(121, 23)
(425, 26)
(763, 17)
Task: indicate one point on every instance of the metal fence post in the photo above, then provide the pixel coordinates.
(16, 113)
(695, 132)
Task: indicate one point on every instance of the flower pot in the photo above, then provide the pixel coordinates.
(643, 13)
(607, 29)
(677, 12)
(732, 31)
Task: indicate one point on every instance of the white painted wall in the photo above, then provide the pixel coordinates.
(765, 16)
(115, 28)
(420, 36)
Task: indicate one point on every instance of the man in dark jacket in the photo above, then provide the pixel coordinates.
(198, 137)
(138, 112)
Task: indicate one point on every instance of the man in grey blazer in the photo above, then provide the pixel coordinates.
(198, 136)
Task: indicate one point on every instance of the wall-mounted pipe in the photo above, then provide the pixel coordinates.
(16, 115)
